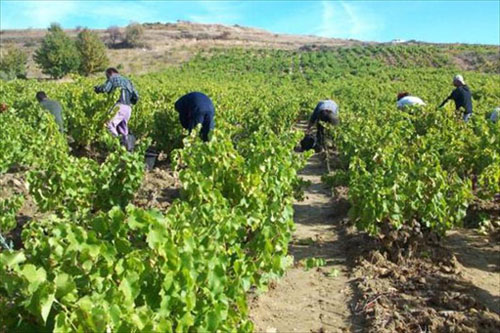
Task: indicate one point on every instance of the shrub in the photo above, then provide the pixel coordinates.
(134, 34)
(58, 55)
(92, 51)
(114, 35)
(13, 63)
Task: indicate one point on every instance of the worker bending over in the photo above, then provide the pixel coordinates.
(326, 112)
(54, 107)
(196, 108)
(404, 99)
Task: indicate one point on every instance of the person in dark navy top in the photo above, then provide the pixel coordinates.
(462, 97)
(196, 108)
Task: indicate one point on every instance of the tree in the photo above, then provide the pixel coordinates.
(92, 51)
(12, 63)
(58, 55)
(134, 32)
(114, 34)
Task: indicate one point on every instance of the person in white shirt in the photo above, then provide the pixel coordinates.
(405, 99)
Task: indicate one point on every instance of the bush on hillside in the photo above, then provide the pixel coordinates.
(13, 63)
(114, 35)
(58, 55)
(92, 51)
(134, 34)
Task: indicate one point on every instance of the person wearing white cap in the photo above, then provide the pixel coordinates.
(462, 97)
(404, 99)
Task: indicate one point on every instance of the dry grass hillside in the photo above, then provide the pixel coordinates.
(167, 44)
(174, 43)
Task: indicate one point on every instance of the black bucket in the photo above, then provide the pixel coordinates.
(308, 142)
(151, 157)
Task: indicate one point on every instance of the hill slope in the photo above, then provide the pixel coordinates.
(172, 44)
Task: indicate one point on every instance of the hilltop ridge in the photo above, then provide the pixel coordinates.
(167, 44)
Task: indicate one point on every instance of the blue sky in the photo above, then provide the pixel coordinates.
(432, 21)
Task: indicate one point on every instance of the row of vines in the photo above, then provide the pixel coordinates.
(97, 263)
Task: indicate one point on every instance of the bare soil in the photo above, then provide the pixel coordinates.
(315, 300)
(160, 187)
(14, 183)
(478, 260)
(449, 287)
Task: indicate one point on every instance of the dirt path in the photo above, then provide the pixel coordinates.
(316, 300)
(479, 259)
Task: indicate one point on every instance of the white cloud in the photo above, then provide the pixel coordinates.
(347, 20)
(329, 26)
(39, 13)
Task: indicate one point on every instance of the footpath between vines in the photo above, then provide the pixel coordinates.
(318, 299)
(450, 285)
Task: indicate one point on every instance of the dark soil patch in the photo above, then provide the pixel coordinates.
(430, 292)
(93, 152)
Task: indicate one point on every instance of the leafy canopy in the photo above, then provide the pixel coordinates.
(92, 51)
(58, 55)
(13, 63)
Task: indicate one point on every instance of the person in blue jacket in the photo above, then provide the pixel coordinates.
(196, 108)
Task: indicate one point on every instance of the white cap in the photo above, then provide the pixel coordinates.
(459, 78)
